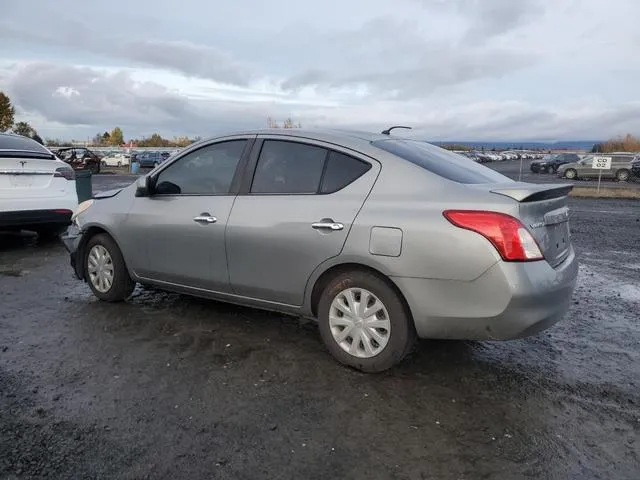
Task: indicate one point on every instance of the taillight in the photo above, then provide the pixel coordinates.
(510, 237)
(65, 172)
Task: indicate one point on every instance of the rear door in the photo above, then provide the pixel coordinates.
(298, 203)
(179, 230)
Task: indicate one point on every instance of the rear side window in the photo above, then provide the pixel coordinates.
(17, 142)
(441, 162)
(341, 170)
(288, 168)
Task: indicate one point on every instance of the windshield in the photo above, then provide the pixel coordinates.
(442, 162)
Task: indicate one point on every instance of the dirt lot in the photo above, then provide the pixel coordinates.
(166, 386)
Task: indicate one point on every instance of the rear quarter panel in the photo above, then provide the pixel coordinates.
(413, 200)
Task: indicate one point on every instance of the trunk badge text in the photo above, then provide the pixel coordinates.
(23, 163)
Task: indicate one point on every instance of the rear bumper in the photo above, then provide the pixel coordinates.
(510, 300)
(34, 218)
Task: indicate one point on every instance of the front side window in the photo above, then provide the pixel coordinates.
(206, 171)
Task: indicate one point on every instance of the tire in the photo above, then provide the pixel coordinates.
(622, 175)
(571, 174)
(551, 170)
(119, 164)
(94, 168)
(121, 285)
(155, 164)
(400, 335)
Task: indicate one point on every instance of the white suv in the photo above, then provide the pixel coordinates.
(37, 190)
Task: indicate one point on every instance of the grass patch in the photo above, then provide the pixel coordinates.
(592, 192)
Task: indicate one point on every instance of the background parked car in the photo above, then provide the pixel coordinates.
(620, 168)
(150, 159)
(80, 158)
(551, 165)
(37, 190)
(116, 160)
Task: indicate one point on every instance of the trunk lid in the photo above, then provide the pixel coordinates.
(544, 211)
(21, 174)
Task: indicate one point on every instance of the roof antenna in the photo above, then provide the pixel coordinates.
(388, 130)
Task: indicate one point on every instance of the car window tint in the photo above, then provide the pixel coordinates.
(441, 162)
(206, 171)
(288, 168)
(340, 171)
(18, 142)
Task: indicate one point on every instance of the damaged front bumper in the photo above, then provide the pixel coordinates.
(72, 240)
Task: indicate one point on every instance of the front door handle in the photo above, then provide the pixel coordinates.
(205, 219)
(327, 225)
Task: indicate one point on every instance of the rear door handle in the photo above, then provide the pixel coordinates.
(327, 226)
(205, 218)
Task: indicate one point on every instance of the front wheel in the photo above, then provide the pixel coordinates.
(364, 322)
(105, 270)
(570, 174)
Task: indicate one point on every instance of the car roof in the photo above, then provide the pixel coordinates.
(349, 138)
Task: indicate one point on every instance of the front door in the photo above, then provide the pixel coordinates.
(296, 214)
(182, 224)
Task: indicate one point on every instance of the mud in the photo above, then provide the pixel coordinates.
(167, 386)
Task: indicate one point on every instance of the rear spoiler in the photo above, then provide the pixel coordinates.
(530, 192)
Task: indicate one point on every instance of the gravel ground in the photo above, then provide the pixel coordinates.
(167, 386)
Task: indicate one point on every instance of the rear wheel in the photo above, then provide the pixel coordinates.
(105, 270)
(550, 169)
(94, 168)
(622, 175)
(155, 164)
(119, 164)
(364, 322)
(570, 173)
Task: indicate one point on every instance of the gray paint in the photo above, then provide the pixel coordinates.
(385, 241)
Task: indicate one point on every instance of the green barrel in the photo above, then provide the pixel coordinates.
(83, 185)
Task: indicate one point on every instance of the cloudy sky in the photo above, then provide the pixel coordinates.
(452, 69)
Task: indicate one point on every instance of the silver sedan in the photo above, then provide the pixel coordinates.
(381, 239)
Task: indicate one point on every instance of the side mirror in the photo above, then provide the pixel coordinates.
(143, 186)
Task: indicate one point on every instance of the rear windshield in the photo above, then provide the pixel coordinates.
(442, 162)
(17, 142)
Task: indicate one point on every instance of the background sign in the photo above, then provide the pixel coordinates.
(601, 163)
